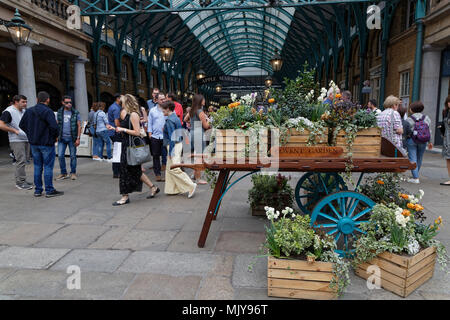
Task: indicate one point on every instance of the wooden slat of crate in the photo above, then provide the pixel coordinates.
(274, 263)
(402, 275)
(385, 275)
(234, 133)
(299, 284)
(300, 275)
(300, 294)
(239, 140)
(367, 143)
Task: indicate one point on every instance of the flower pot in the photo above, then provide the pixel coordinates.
(299, 279)
(367, 143)
(300, 138)
(232, 144)
(402, 274)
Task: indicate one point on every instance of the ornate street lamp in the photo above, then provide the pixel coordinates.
(166, 50)
(200, 73)
(268, 81)
(218, 87)
(276, 62)
(18, 29)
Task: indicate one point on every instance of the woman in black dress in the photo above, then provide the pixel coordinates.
(131, 177)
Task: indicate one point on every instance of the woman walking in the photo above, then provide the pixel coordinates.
(177, 181)
(101, 131)
(198, 123)
(417, 140)
(131, 177)
(446, 147)
(390, 122)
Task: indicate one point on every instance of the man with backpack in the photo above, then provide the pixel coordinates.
(419, 137)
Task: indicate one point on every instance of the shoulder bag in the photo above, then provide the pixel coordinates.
(137, 151)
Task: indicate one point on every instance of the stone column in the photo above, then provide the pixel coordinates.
(429, 86)
(25, 73)
(81, 99)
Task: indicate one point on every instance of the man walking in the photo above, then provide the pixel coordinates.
(69, 122)
(18, 141)
(114, 121)
(156, 121)
(40, 126)
(154, 101)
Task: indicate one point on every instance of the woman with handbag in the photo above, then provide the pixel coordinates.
(446, 146)
(131, 176)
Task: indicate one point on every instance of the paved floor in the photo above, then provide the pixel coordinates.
(148, 249)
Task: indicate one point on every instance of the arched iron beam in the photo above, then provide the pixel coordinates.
(245, 65)
(266, 66)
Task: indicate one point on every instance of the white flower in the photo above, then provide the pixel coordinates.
(421, 193)
(284, 212)
(413, 246)
(277, 214)
(293, 215)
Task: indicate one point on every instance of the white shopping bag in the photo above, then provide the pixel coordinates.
(116, 152)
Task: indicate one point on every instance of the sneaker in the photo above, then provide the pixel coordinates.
(24, 186)
(411, 180)
(62, 177)
(73, 176)
(38, 194)
(108, 160)
(54, 194)
(97, 159)
(193, 191)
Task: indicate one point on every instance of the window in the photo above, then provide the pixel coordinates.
(404, 88)
(404, 84)
(375, 83)
(104, 64)
(124, 71)
(410, 13)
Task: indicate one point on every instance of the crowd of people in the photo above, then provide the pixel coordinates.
(34, 132)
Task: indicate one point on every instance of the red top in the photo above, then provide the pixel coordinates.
(179, 111)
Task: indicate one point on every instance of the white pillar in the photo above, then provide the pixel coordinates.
(429, 87)
(25, 73)
(81, 99)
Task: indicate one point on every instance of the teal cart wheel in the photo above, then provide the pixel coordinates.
(313, 186)
(340, 215)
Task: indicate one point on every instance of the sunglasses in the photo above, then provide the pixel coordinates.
(67, 102)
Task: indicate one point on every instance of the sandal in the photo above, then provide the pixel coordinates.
(445, 183)
(152, 195)
(120, 203)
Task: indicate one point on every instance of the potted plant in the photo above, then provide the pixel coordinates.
(400, 245)
(302, 262)
(239, 130)
(269, 189)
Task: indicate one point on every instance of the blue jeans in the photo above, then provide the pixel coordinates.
(99, 142)
(415, 154)
(62, 145)
(44, 160)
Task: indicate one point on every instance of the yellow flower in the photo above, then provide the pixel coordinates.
(271, 100)
(438, 220)
(418, 207)
(380, 182)
(253, 110)
(411, 206)
(404, 196)
(338, 96)
(406, 213)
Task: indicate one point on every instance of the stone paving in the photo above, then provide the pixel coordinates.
(148, 248)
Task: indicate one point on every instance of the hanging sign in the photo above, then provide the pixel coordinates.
(446, 64)
(223, 78)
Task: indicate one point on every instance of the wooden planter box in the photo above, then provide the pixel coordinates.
(258, 210)
(300, 138)
(400, 274)
(366, 145)
(231, 144)
(299, 279)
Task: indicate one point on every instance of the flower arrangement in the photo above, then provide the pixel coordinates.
(291, 236)
(383, 188)
(270, 189)
(397, 229)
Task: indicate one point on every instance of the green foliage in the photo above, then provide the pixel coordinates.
(382, 188)
(292, 98)
(271, 190)
(365, 119)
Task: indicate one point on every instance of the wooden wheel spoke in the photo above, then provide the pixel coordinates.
(332, 231)
(334, 210)
(359, 230)
(355, 204)
(359, 215)
(337, 236)
(328, 225)
(328, 217)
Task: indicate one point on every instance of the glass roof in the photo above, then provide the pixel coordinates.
(244, 39)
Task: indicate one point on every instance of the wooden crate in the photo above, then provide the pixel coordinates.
(299, 279)
(367, 143)
(300, 138)
(258, 211)
(401, 274)
(230, 144)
